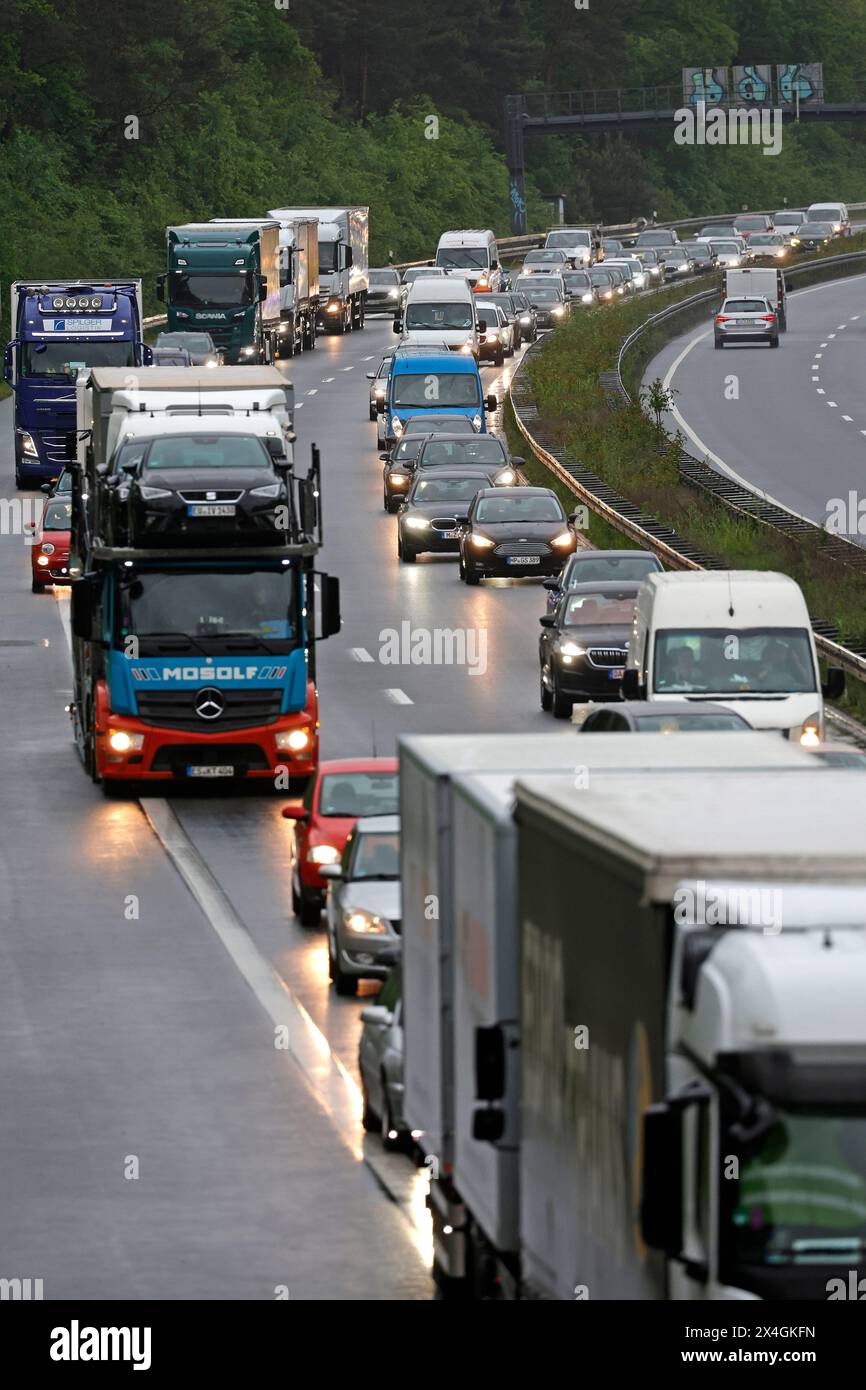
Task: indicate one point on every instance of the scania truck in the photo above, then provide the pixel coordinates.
(344, 262)
(224, 278)
(58, 328)
(194, 661)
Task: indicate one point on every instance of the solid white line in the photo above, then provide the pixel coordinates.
(398, 697)
(324, 1073)
(360, 654)
(368, 359)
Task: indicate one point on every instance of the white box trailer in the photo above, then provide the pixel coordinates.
(299, 284)
(344, 262)
(459, 908)
(768, 282)
(693, 1036)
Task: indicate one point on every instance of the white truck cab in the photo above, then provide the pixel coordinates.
(472, 254)
(739, 637)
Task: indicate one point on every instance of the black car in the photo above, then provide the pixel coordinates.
(436, 509)
(663, 717)
(515, 311)
(170, 357)
(528, 319)
(204, 486)
(611, 247)
(814, 236)
(602, 282)
(701, 255)
(546, 299)
(399, 470)
(458, 451)
(202, 349)
(515, 531)
(583, 646)
(676, 260)
(579, 287)
(384, 295)
(380, 379)
(586, 566)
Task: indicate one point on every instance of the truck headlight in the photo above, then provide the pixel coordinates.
(323, 854)
(119, 741)
(247, 351)
(28, 448)
(295, 740)
(367, 923)
(333, 307)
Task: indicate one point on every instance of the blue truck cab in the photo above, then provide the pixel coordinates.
(59, 327)
(436, 382)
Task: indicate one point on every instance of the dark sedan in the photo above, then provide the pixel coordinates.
(588, 566)
(518, 312)
(189, 487)
(515, 531)
(456, 451)
(579, 287)
(602, 282)
(702, 256)
(384, 295)
(399, 464)
(437, 507)
(528, 316)
(663, 717)
(583, 646)
(547, 302)
(814, 236)
(202, 349)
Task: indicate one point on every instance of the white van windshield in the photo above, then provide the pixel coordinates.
(439, 314)
(752, 661)
(462, 257)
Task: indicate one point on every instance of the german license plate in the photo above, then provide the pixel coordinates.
(743, 323)
(450, 535)
(616, 673)
(217, 770)
(524, 559)
(211, 509)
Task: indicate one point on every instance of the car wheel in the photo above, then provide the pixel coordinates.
(774, 342)
(296, 897)
(510, 352)
(471, 576)
(386, 501)
(406, 554)
(560, 704)
(369, 1119)
(719, 343)
(373, 412)
(389, 1144)
(36, 587)
(309, 909)
(345, 985)
(499, 359)
(546, 697)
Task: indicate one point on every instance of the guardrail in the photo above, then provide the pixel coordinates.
(631, 521)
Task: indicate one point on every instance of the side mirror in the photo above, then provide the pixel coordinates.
(547, 619)
(350, 258)
(397, 326)
(333, 871)
(491, 403)
(661, 1214)
(329, 624)
(481, 325)
(551, 584)
(377, 1013)
(380, 406)
(70, 444)
(293, 810)
(631, 685)
(8, 361)
(46, 487)
(371, 376)
(833, 688)
(489, 1063)
(518, 461)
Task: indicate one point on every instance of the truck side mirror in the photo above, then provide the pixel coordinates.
(9, 361)
(84, 599)
(329, 623)
(632, 689)
(490, 1063)
(491, 403)
(70, 445)
(160, 288)
(547, 619)
(833, 688)
(661, 1210)
(350, 258)
(263, 289)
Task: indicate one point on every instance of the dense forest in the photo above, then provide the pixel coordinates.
(117, 118)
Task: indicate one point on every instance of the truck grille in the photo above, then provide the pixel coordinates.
(175, 709)
(607, 656)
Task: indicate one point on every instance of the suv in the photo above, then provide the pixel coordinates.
(749, 222)
(660, 236)
(746, 320)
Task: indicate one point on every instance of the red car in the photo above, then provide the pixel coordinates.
(340, 792)
(49, 553)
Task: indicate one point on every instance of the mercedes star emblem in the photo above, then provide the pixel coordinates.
(209, 703)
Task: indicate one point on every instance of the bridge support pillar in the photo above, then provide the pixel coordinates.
(515, 158)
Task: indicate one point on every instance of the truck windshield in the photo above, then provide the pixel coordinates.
(56, 359)
(462, 257)
(439, 315)
(209, 610)
(432, 389)
(328, 257)
(801, 1195)
(752, 661)
(196, 291)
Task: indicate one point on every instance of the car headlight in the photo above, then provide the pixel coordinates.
(608, 294)
(323, 854)
(468, 346)
(42, 560)
(149, 494)
(28, 448)
(507, 478)
(563, 540)
(587, 298)
(493, 336)
(809, 732)
(247, 351)
(571, 649)
(396, 426)
(367, 923)
(417, 523)
(293, 740)
(525, 318)
(211, 362)
(392, 294)
(271, 490)
(735, 260)
(477, 422)
(684, 269)
(480, 542)
(47, 548)
(119, 741)
(795, 241)
(379, 391)
(397, 479)
(558, 311)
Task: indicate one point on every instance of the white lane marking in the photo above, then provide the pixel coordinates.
(326, 379)
(368, 359)
(299, 405)
(347, 369)
(831, 335)
(854, 318)
(327, 1078)
(398, 697)
(816, 378)
(848, 418)
(821, 391)
(818, 355)
(822, 344)
(832, 404)
(314, 392)
(359, 654)
(841, 326)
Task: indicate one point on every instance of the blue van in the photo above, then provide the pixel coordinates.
(434, 381)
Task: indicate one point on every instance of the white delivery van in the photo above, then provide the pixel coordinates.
(763, 282)
(834, 213)
(739, 637)
(580, 244)
(472, 254)
(440, 310)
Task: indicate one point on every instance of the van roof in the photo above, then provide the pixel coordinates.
(433, 360)
(469, 236)
(188, 378)
(440, 287)
(704, 598)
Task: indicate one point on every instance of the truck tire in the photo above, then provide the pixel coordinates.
(88, 749)
(388, 1144)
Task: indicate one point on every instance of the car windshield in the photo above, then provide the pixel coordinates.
(541, 257)
(518, 510)
(675, 254)
(443, 424)
(630, 568)
(384, 277)
(688, 723)
(653, 239)
(577, 279)
(377, 855)
(725, 246)
(200, 610)
(435, 388)
(207, 451)
(598, 609)
(752, 661)
(422, 272)
(447, 489)
(193, 342)
(439, 314)
(600, 277)
(799, 1192)
(195, 291)
(793, 217)
(58, 359)
(750, 224)
(566, 239)
(824, 214)
(58, 516)
(612, 248)
(744, 306)
(477, 449)
(545, 295)
(359, 794)
(819, 229)
(462, 257)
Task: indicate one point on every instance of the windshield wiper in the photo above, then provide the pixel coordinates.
(173, 636)
(384, 878)
(248, 638)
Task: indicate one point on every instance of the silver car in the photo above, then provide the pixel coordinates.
(379, 382)
(363, 906)
(750, 320)
(380, 1062)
